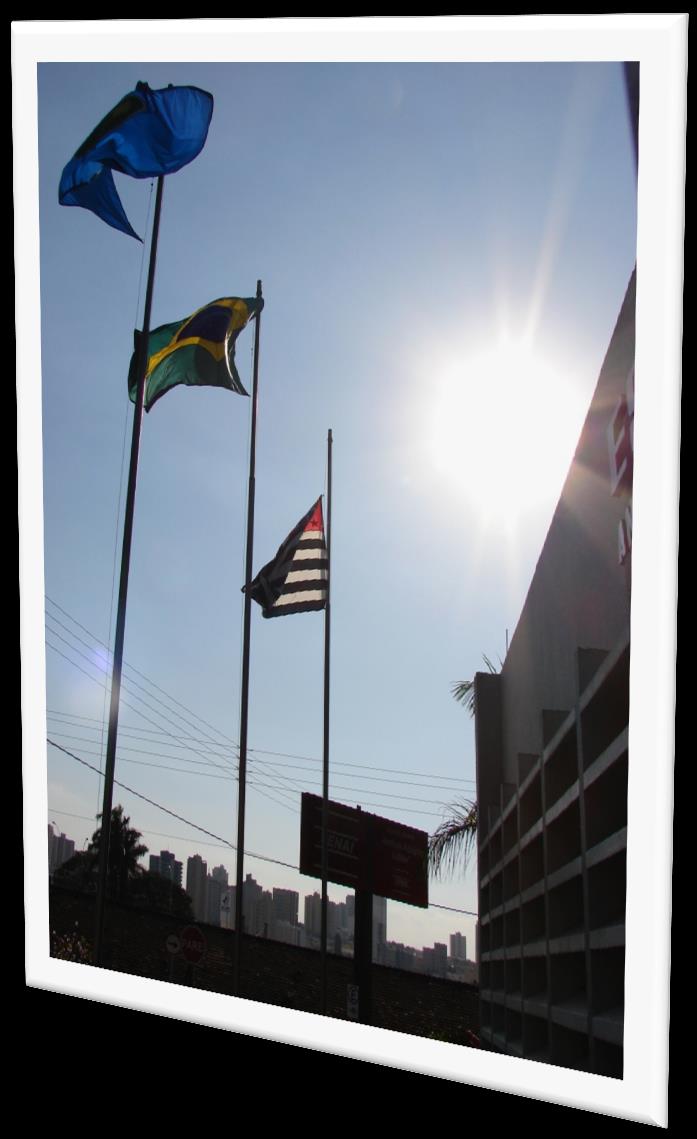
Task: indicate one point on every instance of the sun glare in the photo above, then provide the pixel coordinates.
(504, 430)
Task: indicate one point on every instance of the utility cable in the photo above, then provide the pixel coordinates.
(228, 739)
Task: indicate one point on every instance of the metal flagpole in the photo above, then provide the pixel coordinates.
(325, 760)
(244, 698)
(123, 591)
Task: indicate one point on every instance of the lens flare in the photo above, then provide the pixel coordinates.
(504, 428)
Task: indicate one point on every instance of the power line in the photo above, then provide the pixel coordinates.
(253, 783)
(137, 671)
(124, 759)
(143, 751)
(134, 683)
(187, 822)
(452, 909)
(135, 733)
(363, 766)
(99, 683)
(228, 739)
(283, 785)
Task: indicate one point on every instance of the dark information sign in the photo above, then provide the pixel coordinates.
(399, 856)
(364, 851)
(344, 826)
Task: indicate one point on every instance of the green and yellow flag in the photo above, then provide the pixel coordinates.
(199, 350)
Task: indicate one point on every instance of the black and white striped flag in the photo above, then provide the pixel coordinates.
(295, 581)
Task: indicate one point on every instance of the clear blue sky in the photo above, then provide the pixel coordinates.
(444, 249)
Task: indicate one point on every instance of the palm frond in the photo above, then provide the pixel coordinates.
(463, 690)
(452, 843)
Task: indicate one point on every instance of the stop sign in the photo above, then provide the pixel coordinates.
(193, 944)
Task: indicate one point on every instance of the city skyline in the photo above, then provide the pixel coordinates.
(198, 881)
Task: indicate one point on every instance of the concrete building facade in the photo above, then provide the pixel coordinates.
(551, 735)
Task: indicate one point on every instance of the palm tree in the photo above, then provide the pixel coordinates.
(454, 840)
(125, 849)
(463, 690)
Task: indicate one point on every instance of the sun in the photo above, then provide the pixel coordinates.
(504, 427)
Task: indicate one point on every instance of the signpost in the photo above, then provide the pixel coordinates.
(373, 856)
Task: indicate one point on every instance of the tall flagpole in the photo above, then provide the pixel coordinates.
(123, 591)
(325, 753)
(244, 698)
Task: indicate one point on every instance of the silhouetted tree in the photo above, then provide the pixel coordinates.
(159, 893)
(78, 871)
(125, 848)
(454, 840)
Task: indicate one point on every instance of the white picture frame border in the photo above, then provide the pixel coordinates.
(659, 43)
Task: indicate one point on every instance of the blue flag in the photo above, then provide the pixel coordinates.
(147, 134)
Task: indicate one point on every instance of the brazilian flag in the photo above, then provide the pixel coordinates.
(199, 350)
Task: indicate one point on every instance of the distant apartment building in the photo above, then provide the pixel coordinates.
(434, 960)
(344, 921)
(287, 933)
(197, 886)
(171, 867)
(257, 904)
(60, 849)
(464, 971)
(458, 946)
(166, 865)
(313, 915)
(340, 924)
(285, 906)
(257, 908)
(379, 928)
(216, 889)
(400, 956)
(313, 919)
(214, 896)
(261, 923)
